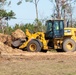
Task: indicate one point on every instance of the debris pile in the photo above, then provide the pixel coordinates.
(6, 49)
(3, 37)
(18, 34)
(6, 40)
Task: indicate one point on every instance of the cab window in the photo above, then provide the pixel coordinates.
(49, 26)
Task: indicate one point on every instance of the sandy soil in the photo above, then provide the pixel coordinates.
(38, 63)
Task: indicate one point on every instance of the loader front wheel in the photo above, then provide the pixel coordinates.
(69, 45)
(33, 46)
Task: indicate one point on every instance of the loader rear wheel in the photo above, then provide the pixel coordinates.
(69, 45)
(33, 46)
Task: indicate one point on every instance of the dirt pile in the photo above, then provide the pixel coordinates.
(6, 49)
(18, 34)
(3, 37)
(6, 40)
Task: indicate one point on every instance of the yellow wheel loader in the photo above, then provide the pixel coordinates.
(56, 37)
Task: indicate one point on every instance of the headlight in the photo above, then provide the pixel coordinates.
(67, 31)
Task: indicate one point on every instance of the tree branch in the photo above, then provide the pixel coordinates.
(33, 2)
(37, 1)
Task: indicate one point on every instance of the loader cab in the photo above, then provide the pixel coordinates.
(54, 29)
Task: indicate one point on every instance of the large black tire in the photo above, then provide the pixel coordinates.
(33, 46)
(69, 45)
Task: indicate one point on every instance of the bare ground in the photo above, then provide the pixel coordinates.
(38, 63)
